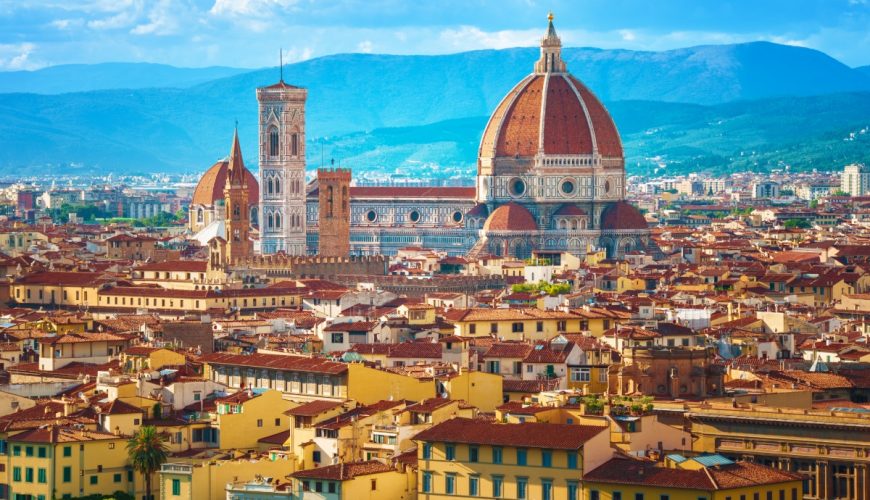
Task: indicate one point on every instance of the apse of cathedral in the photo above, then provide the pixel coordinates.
(550, 179)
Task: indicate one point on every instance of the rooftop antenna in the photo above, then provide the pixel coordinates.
(281, 64)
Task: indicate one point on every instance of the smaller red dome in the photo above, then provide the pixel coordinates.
(510, 217)
(620, 216)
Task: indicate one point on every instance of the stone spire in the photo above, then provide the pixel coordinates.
(236, 167)
(551, 51)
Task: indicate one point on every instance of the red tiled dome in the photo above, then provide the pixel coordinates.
(210, 187)
(567, 118)
(622, 216)
(510, 217)
(549, 111)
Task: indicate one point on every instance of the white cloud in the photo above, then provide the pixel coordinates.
(252, 8)
(365, 46)
(162, 19)
(472, 37)
(16, 57)
(126, 12)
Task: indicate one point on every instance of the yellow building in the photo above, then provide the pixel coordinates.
(243, 418)
(204, 476)
(371, 479)
(704, 478)
(304, 378)
(57, 288)
(469, 458)
(513, 324)
(139, 358)
(65, 462)
(827, 447)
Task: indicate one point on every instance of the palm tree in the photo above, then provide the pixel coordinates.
(147, 451)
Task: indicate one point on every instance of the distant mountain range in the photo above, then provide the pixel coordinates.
(711, 107)
(85, 77)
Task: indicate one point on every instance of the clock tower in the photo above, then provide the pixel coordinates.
(282, 168)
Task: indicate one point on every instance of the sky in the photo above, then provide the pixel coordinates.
(250, 33)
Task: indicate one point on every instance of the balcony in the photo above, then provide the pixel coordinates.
(177, 469)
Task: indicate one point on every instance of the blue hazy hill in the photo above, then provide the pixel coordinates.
(383, 112)
(86, 77)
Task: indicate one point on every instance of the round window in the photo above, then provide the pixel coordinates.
(371, 216)
(457, 216)
(517, 187)
(567, 187)
(414, 216)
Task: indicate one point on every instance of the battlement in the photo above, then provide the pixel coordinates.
(337, 173)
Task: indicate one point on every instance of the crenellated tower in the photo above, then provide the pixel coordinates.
(333, 188)
(282, 168)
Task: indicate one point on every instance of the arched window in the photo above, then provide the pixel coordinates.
(269, 221)
(199, 214)
(329, 203)
(344, 199)
(294, 144)
(273, 141)
(255, 215)
(277, 186)
(269, 186)
(277, 221)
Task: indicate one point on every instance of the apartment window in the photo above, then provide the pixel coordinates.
(95, 479)
(781, 494)
(450, 452)
(42, 452)
(668, 497)
(546, 489)
(581, 374)
(617, 495)
(493, 328)
(176, 487)
(374, 484)
(331, 487)
(28, 475)
(473, 486)
(427, 451)
(593, 494)
(496, 454)
(450, 483)
(769, 496)
(472, 329)
(546, 458)
(522, 456)
(117, 478)
(572, 460)
(473, 454)
(517, 327)
(639, 496)
(562, 325)
(522, 488)
(539, 326)
(338, 338)
(259, 422)
(794, 494)
(427, 482)
(41, 476)
(16, 474)
(497, 486)
(67, 474)
(573, 490)
(315, 456)
(28, 451)
(277, 422)
(16, 451)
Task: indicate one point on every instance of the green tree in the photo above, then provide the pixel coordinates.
(147, 451)
(797, 223)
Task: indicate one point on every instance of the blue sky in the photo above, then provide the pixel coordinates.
(248, 33)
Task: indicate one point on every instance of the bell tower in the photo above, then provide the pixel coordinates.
(282, 168)
(238, 215)
(333, 187)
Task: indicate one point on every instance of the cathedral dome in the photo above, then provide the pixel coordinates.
(510, 217)
(620, 216)
(549, 112)
(210, 187)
